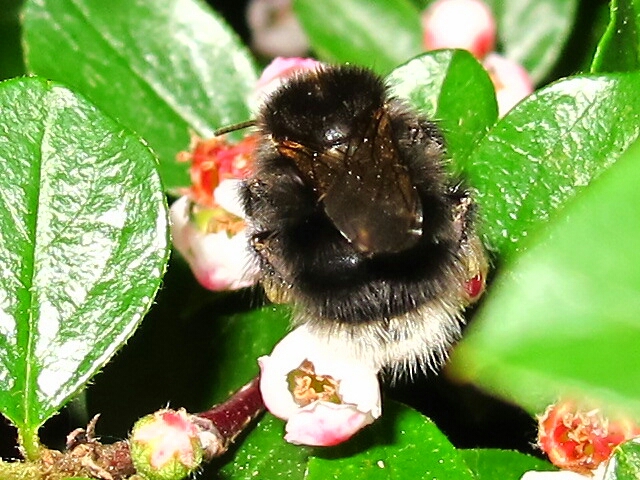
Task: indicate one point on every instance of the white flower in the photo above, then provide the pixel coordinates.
(325, 395)
(465, 24)
(275, 30)
(219, 260)
(511, 80)
(226, 194)
(597, 474)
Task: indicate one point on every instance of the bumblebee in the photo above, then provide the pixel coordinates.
(355, 221)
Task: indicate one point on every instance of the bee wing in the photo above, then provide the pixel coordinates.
(365, 188)
(372, 200)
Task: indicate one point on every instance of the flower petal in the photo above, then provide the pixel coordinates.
(320, 422)
(511, 80)
(325, 424)
(465, 24)
(227, 195)
(275, 30)
(597, 474)
(218, 260)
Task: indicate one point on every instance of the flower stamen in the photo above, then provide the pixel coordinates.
(306, 387)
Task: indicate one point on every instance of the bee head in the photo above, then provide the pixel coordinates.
(323, 108)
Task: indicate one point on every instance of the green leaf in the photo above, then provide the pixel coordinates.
(11, 63)
(568, 310)
(378, 34)
(163, 69)
(627, 462)
(389, 449)
(534, 32)
(619, 48)
(241, 339)
(435, 83)
(490, 464)
(547, 149)
(83, 245)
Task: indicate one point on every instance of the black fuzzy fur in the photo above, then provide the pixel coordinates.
(296, 243)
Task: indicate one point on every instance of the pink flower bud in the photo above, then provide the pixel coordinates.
(511, 80)
(324, 394)
(165, 445)
(275, 30)
(465, 24)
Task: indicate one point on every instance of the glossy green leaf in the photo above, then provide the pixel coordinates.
(619, 48)
(534, 32)
(492, 464)
(379, 34)
(83, 245)
(241, 339)
(564, 319)
(163, 69)
(439, 84)
(390, 449)
(627, 462)
(387, 449)
(265, 454)
(547, 149)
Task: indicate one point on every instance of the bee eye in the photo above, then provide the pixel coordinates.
(335, 135)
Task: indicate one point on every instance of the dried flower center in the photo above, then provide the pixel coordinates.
(307, 387)
(580, 440)
(214, 160)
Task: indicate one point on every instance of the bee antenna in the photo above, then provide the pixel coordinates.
(234, 127)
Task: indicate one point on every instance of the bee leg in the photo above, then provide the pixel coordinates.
(276, 288)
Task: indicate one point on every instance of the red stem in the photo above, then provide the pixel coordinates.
(229, 419)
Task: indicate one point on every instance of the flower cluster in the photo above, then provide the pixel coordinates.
(470, 25)
(207, 224)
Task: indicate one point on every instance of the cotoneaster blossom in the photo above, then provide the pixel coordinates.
(219, 260)
(464, 24)
(207, 224)
(324, 394)
(580, 442)
(511, 81)
(275, 30)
